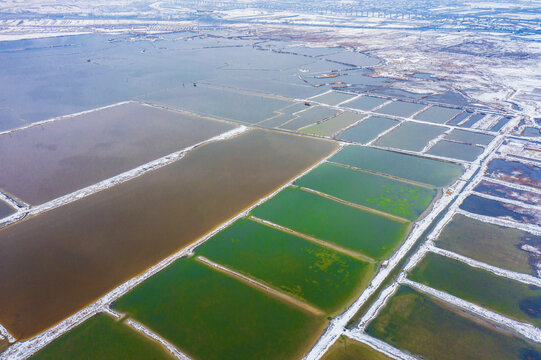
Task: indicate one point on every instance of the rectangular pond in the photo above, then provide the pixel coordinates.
(377, 192)
(219, 102)
(310, 272)
(366, 102)
(473, 120)
(44, 162)
(102, 337)
(500, 124)
(209, 315)
(438, 114)
(427, 171)
(367, 129)
(333, 97)
(459, 118)
(507, 297)
(469, 137)
(309, 116)
(401, 108)
(515, 172)
(334, 124)
(69, 256)
(372, 235)
(492, 244)
(507, 192)
(436, 331)
(410, 136)
(499, 209)
(455, 150)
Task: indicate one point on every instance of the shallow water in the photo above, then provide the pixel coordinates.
(515, 171)
(423, 170)
(459, 118)
(401, 108)
(367, 129)
(531, 131)
(469, 137)
(489, 207)
(44, 162)
(507, 192)
(410, 136)
(69, 256)
(311, 115)
(455, 150)
(219, 103)
(492, 244)
(333, 98)
(432, 329)
(331, 126)
(438, 114)
(475, 118)
(366, 102)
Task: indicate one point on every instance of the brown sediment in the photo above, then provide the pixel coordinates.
(44, 162)
(327, 244)
(4, 344)
(256, 284)
(360, 207)
(53, 264)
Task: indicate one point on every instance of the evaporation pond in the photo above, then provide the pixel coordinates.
(333, 97)
(367, 129)
(455, 150)
(213, 316)
(366, 102)
(44, 162)
(102, 337)
(507, 192)
(423, 170)
(309, 116)
(401, 108)
(310, 272)
(57, 262)
(410, 136)
(515, 172)
(499, 294)
(490, 207)
(438, 114)
(495, 245)
(377, 192)
(334, 124)
(325, 219)
(436, 331)
(469, 137)
(221, 103)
